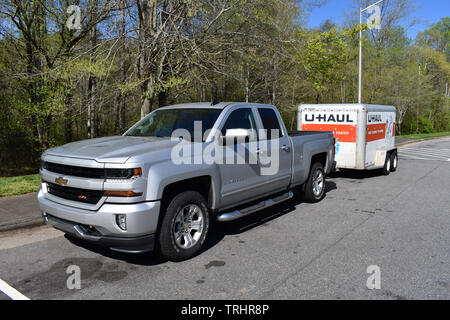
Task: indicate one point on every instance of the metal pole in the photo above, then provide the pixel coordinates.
(418, 103)
(360, 57)
(361, 10)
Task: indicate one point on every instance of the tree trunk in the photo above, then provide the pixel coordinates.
(91, 108)
(68, 116)
(92, 82)
(123, 71)
(162, 98)
(247, 80)
(147, 106)
(147, 25)
(116, 116)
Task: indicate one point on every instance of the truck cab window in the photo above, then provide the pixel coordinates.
(241, 119)
(270, 122)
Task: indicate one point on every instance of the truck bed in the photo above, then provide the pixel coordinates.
(306, 144)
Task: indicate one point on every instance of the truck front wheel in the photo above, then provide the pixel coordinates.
(184, 227)
(315, 186)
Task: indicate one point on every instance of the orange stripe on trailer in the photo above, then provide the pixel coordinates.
(376, 132)
(342, 132)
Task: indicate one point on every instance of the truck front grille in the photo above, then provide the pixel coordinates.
(74, 194)
(96, 173)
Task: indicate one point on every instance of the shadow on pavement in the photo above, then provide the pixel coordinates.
(217, 233)
(356, 174)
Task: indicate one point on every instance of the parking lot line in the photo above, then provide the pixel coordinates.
(11, 292)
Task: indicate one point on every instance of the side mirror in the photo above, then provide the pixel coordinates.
(235, 136)
(237, 133)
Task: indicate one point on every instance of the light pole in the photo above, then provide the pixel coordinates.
(360, 48)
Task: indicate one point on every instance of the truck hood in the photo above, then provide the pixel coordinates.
(111, 149)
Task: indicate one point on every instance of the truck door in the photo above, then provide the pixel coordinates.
(240, 181)
(277, 174)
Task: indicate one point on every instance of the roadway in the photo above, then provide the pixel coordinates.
(400, 223)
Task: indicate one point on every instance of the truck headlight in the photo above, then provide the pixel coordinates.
(122, 173)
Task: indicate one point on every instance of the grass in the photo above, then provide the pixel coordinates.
(18, 171)
(426, 135)
(11, 186)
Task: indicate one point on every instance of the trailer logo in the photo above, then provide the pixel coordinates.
(374, 118)
(325, 118)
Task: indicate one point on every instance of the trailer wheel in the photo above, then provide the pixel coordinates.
(387, 165)
(184, 227)
(394, 161)
(315, 186)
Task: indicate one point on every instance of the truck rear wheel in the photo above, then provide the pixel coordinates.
(315, 186)
(394, 161)
(387, 165)
(184, 227)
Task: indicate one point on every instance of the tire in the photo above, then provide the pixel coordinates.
(178, 238)
(314, 190)
(387, 165)
(394, 161)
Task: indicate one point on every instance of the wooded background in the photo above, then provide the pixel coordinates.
(132, 56)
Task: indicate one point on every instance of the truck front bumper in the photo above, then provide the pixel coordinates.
(100, 227)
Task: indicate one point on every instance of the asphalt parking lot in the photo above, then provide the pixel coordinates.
(400, 223)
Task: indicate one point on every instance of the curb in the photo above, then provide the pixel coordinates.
(410, 142)
(24, 224)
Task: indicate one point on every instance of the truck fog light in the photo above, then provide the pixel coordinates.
(121, 220)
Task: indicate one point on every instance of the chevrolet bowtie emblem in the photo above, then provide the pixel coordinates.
(61, 181)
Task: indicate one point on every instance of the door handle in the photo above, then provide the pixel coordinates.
(286, 148)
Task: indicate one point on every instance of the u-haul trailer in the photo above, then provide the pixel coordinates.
(365, 134)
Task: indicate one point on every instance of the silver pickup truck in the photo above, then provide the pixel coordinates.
(160, 184)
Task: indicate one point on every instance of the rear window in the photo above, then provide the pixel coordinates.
(270, 122)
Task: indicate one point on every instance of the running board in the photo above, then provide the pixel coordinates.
(230, 216)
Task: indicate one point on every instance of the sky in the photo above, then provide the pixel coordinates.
(428, 12)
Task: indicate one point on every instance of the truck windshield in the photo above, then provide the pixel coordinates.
(162, 123)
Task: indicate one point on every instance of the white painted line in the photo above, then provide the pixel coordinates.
(434, 152)
(422, 159)
(425, 153)
(11, 292)
(429, 150)
(424, 148)
(412, 158)
(417, 157)
(426, 156)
